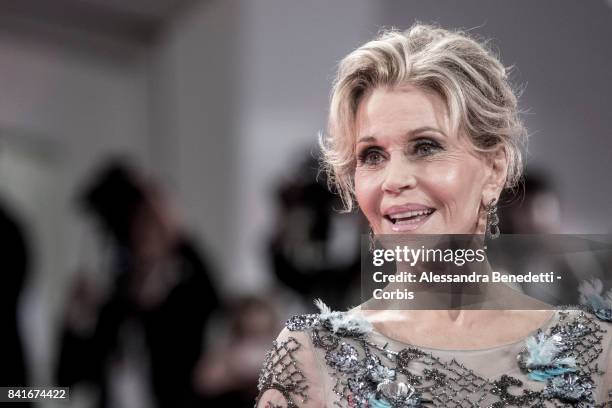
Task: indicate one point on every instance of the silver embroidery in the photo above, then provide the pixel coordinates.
(281, 372)
(367, 374)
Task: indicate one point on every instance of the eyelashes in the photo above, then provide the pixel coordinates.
(372, 156)
(426, 147)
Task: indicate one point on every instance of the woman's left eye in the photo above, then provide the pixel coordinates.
(426, 147)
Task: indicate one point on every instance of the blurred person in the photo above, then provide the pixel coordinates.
(15, 266)
(138, 343)
(227, 375)
(424, 134)
(537, 211)
(314, 250)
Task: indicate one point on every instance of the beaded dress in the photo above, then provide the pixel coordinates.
(338, 359)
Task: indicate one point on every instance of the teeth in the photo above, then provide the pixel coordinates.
(409, 214)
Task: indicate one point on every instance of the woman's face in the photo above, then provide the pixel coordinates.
(413, 175)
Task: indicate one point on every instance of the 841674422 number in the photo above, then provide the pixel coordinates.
(15, 394)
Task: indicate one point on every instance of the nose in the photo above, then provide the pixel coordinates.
(399, 175)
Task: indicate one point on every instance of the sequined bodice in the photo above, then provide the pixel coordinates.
(338, 359)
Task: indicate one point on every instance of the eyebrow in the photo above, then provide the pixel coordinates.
(370, 138)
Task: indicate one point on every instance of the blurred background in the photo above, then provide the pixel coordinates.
(160, 210)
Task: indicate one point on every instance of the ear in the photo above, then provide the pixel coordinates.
(496, 173)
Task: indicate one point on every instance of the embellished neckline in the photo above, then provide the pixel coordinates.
(562, 357)
(554, 318)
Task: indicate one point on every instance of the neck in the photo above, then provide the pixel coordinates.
(438, 282)
(432, 292)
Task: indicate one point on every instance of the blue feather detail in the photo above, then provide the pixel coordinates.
(378, 403)
(543, 361)
(543, 375)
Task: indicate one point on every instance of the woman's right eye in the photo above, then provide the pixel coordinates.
(371, 157)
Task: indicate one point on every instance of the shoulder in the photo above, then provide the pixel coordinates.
(588, 333)
(339, 323)
(288, 371)
(583, 322)
(292, 374)
(596, 320)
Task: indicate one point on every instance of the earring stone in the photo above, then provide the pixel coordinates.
(492, 220)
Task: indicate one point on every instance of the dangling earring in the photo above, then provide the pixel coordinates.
(371, 240)
(492, 220)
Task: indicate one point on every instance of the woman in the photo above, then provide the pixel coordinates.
(424, 135)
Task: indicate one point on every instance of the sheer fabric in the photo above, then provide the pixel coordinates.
(337, 359)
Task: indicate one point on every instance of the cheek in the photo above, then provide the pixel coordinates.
(455, 187)
(368, 193)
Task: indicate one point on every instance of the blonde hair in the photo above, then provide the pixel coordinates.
(465, 73)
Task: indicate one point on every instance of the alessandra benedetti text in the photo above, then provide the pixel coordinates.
(492, 277)
(430, 277)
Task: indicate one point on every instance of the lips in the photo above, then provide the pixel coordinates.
(407, 217)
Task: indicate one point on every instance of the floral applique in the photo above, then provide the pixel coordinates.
(391, 394)
(543, 357)
(570, 388)
(592, 297)
(565, 358)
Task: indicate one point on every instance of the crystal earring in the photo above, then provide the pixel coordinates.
(492, 220)
(371, 240)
